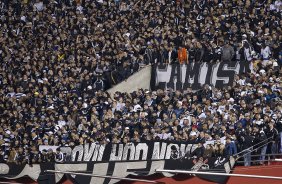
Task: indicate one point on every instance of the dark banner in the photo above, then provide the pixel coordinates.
(195, 75)
(124, 152)
(119, 169)
(119, 160)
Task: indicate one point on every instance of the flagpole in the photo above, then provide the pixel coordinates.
(100, 176)
(218, 174)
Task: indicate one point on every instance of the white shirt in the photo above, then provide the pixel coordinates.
(169, 57)
(39, 6)
(164, 136)
(182, 120)
(242, 82)
(61, 123)
(277, 4)
(120, 106)
(265, 52)
(248, 55)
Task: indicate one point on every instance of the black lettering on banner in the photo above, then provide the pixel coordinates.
(175, 75)
(192, 71)
(230, 74)
(209, 73)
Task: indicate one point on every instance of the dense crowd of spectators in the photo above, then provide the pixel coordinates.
(58, 57)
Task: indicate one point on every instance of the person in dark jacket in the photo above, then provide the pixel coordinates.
(247, 141)
(59, 156)
(99, 83)
(199, 52)
(44, 156)
(272, 132)
(171, 55)
(199, 151)
(201, 138)
(279, 129)
(260, 141)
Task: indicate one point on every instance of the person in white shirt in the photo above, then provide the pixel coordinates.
(265, 54)
(120, 105)
(164, 135)
(39, 6)
(61, 121)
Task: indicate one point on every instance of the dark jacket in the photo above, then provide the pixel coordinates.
(259, 139)
(198, 152)
(199, 53)
(272, 133)
(247, 141)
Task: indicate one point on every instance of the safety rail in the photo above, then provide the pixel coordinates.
(268, 159)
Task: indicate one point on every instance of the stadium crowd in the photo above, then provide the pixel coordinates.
(59, 56)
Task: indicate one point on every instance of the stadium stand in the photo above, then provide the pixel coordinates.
(58, 57)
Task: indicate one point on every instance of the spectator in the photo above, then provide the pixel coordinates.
(247, 142)
(219, 150)
(260, 140)
(182, 55)
(199, 151)
(20, 156)
(208, 151)
(230, 147)
(50, 155)
(227, 52)
(59, 156)
(164, 135)
(272, 132)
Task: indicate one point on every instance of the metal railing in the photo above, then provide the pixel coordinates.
(255, 148)
(267, 161)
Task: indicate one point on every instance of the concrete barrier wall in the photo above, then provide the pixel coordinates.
(138, 80)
